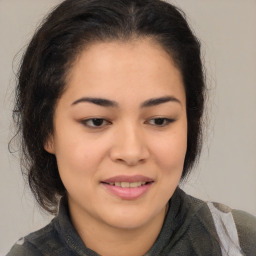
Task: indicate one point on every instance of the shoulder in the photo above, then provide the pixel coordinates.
(231, 228)
(246, 228)
(22, 248)
(34, 243)
(245, 222)
(235, 227)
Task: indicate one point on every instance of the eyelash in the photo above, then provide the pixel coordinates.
(93, 126)
(103, 122)
(166, 121)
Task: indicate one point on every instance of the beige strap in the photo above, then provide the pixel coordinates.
(226, 230)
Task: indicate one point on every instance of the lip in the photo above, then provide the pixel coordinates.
(126, 178)
(128, 193)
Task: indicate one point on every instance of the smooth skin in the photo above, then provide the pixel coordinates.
(139, 128)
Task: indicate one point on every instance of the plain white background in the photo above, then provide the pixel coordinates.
(227, 170)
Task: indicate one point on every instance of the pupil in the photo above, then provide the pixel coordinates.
(159, 121)
(97, 122)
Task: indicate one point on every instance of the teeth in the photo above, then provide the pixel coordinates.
(118, 184)
(136, 184)
(125, 184)
(128, 184)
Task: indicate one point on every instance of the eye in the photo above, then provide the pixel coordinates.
(95, 122)
(160, 121)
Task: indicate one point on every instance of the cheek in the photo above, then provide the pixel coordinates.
(170, 150)
(169, 157)
(77, 164)
(79, 154)
(76, 158)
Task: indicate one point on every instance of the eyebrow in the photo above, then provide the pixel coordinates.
(97, 101)
(109, 103)
(158, 101)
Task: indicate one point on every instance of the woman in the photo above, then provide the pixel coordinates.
(109, 104)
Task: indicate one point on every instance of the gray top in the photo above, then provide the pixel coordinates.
(191, 227)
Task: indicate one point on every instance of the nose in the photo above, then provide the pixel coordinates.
(129, 146)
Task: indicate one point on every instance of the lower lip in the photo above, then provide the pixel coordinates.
(127, 193)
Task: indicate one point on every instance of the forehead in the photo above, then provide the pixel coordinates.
(113, 68)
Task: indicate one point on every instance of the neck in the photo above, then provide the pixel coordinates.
(111, 241)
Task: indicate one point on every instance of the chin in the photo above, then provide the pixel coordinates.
(128, 223)
(131, 218)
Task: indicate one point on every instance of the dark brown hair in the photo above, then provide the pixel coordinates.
(64, 33)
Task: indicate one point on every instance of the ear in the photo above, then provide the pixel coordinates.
(49, 145)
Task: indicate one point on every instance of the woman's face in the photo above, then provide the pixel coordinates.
(120, 133)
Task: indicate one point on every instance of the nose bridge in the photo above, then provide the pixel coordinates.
(129, 144)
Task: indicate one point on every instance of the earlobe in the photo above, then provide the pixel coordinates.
(49, 145)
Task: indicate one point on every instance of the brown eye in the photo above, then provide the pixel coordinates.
(95, 122)
(160, 121)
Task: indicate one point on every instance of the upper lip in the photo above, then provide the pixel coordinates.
(126, 178)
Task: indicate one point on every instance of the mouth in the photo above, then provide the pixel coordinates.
(125, 184)
(125, 181)
(128, 187)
